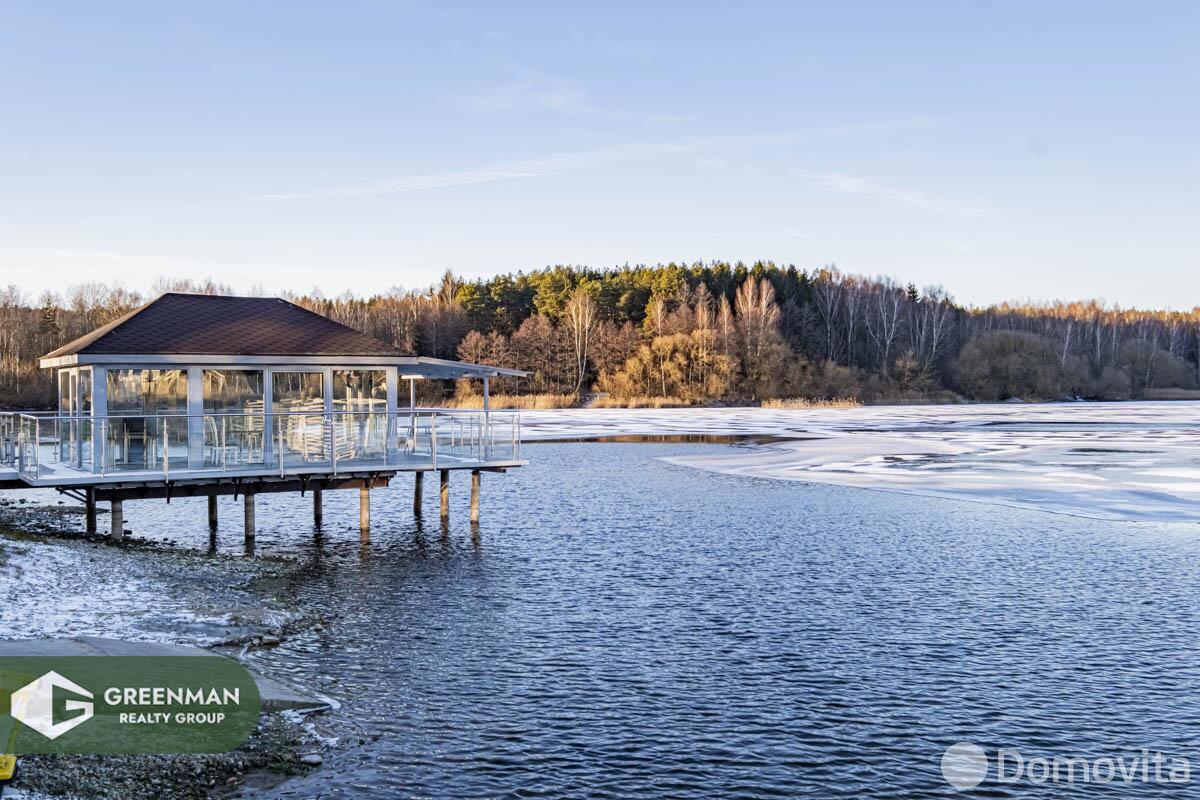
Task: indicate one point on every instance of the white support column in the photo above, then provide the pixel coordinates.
(99, 412)
(327, 389)
(393, 388)
(486, 433)
(268, 424)
(327, 400)
(412, 412)
(195, 423)
(393, 419)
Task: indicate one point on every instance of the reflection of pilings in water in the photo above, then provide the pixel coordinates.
(419, 539)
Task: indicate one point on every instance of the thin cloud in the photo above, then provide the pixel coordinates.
(418, 183)
(553, 164)
(865, 187)
(80, 259)
(713, 147)
(533, 90)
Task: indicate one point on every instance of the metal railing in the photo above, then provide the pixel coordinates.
(170, 444)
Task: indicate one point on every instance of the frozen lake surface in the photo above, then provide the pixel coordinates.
(1120, 461)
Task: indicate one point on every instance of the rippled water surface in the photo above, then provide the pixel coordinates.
(623, 627)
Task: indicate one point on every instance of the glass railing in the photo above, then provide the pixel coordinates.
(170, 444)
(9, 427)
(29, 441)
(474, 436)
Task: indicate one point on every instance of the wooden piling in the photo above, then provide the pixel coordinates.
(248, 508)
(364, 509)
(418, 491)
(318, 512)
(90, 507)
(117, 531)
(445, 493)
(212, 512)
(474, 495)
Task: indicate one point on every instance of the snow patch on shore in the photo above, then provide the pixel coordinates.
(57, 587)
(1115, 461)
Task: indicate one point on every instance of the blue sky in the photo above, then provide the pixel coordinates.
(1005, 150)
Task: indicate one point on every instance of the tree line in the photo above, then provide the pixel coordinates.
(706, 333)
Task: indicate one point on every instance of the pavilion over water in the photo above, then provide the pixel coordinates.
(208, 394)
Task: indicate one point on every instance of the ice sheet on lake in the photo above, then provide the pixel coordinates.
(1121, 461)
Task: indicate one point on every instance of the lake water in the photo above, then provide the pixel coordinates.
(620, 627)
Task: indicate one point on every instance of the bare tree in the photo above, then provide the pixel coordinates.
(828, 290)
(579, 316)
(758, 332)
(884, 318)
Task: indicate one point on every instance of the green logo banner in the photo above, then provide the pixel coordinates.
(125, 704)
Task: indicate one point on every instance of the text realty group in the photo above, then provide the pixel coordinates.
(160, 695)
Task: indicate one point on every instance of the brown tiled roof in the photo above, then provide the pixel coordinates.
(198, 324)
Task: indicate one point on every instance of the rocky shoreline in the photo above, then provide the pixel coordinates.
(272, 754)
(280, 747)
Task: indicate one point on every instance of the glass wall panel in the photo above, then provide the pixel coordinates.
(147, 391)
(360, 390)
(298, 432)
(65, 408)
(233, 422)
(85, 390)
(233, 391)
(67, 430)
(297, 391)
(134, 439)
(74, 401)
(362, 433)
